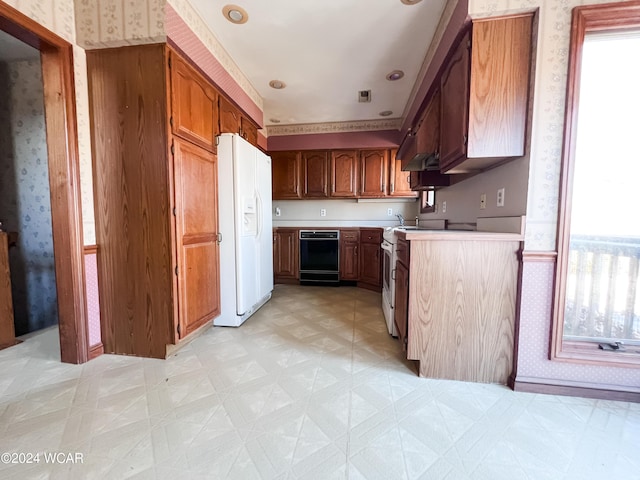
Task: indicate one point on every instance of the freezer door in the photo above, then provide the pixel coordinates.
(246, 223)
(265, 233)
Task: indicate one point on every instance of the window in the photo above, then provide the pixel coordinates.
(597, 308)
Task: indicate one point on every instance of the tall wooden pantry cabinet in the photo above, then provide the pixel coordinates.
(154, 122)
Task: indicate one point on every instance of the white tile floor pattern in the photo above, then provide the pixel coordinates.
(311, 387)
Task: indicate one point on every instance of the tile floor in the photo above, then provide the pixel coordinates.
(311, 387)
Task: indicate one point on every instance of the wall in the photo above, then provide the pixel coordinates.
(25, 205)
(58, 16)
(341, 212)
(545, 152)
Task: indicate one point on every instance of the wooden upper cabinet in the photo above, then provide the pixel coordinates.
(229, 116)
(499, 91)
(344, 173)
(374, 169)
(194, 105)
(485, 95)
(400, 181)
(454, 87)
(285, 177)
(248, 131)
(315, 174)
(231, 120)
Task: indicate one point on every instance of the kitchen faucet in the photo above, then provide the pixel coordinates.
(400, 219)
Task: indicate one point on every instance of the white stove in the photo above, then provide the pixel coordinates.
(389, 258)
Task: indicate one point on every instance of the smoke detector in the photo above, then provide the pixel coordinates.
(364, 96)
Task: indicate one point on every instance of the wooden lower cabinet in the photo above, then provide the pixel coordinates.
(371, 255)
(349, 255)
(285, 254)
(198, 252)
(155, 199)
(7, 326)
(401, 307)
(462, 306)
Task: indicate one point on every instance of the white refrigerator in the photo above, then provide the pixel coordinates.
(246, 250)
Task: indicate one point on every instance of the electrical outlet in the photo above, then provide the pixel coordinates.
(278, 212)
(444, 207)
(323, 212)
(500, 197)
(389, 211)
(483, 201)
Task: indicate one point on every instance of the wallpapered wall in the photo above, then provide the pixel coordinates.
(25, 205)
(542, 201)
(58, 16)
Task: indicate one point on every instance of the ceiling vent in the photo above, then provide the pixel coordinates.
(364, 96)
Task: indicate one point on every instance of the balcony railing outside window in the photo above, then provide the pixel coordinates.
(602, 301)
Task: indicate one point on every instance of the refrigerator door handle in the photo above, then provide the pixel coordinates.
(258, 214)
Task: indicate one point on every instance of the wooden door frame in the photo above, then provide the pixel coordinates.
(64, 178)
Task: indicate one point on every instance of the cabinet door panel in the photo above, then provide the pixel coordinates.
(196, 235)
(454, 115)
(285, 254)
(285, 178)
(344, 173)
(229, 116)
(315, 169)
(194, 105)
(373, 173)
(249, 131)
(400, 181)
(371, 265)
(401, 309)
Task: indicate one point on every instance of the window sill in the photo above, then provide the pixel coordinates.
(588, 352)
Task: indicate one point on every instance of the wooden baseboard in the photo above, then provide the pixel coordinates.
(96, 350)
(587, 392)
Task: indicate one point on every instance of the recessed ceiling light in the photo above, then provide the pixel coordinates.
(386, 113)
(395, 75)
(410, 2)
(235, 14)
(277, 84)
(274, 120)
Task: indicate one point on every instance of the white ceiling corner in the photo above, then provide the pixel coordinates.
(326, 52)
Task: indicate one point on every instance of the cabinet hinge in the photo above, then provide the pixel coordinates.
(169, 62)
(174, 211)
(173, 149)
(464, 138)
(217, 141)
(176, 270)
(171, 120)
(179, 331)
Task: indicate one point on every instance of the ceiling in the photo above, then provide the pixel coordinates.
(325, 52)
(12, 49)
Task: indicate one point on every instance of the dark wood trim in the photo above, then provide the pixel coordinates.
(64, 177)
(96, 350)
(575, 391)
(91, 249)
(591, 18)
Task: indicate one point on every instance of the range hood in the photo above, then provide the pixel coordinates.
(415, 161)
(423, 161)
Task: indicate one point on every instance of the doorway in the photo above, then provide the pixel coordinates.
(25, 203)
(56, 56)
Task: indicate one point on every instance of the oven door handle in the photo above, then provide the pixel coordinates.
(387, 246)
